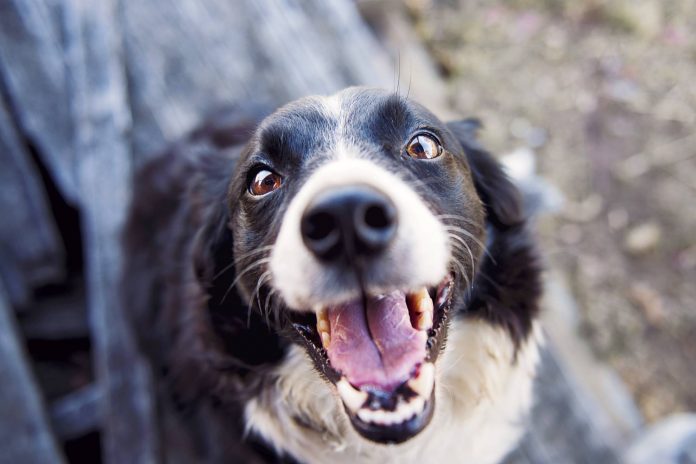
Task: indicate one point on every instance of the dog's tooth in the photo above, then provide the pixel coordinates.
(425, 303)
(424, 382)
(420, 301)
(417, 405)
(352, 397)
(402, 412)
(323, 326)
(422, 308)
(323, 320)
(379, 416)
(365, 415)
(325, 339)
(424, 321)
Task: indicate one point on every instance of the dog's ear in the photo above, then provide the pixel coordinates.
(499, 195)
(213, 247)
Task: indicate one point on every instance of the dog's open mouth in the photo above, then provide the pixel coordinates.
(380, 353)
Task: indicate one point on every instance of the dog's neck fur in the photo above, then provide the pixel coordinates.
(484, 391)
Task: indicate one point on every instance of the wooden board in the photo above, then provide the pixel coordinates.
(31, 252)
(25, 436)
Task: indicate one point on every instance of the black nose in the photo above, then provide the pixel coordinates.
(348, 221)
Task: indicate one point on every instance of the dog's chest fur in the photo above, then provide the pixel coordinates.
(484, 392)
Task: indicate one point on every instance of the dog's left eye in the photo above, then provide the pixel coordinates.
(264, 182)
(424, 146)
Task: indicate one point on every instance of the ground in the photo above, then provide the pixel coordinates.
(603, 93)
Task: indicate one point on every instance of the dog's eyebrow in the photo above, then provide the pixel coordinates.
(394, 120)
(396, 109)
(256, 159)
(295, 132)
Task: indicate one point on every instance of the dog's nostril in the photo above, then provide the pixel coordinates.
(321, 234)
(378, 217)
(319, 225)
(375, 225)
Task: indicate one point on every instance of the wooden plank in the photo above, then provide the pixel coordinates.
(185, 57)
(129, 431)
(77, 413)
(31, 252)
(57, 317)
(34, 79)
(25, 436)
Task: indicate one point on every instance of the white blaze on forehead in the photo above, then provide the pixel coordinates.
(417, 256)
(339, 108)
(333, 104)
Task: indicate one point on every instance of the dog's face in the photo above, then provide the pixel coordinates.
(357, 228)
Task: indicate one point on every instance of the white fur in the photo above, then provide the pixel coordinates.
(418, 255)
(481, 398)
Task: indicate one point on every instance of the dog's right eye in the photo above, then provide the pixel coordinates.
(264, 182)
(424, 146)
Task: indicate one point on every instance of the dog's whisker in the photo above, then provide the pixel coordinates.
(463, 272)
(251, 253)
(468, 250)
(461, 268)
(251, 267)
(263, 278)
(241, 258)
(270, 294)
(458, 218)
(454, 229)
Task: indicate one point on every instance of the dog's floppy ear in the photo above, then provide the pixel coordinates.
(499, 195)
(213, 245)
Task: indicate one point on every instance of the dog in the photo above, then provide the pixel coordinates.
(349, 280)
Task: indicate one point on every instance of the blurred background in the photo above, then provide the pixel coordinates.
(589, 104)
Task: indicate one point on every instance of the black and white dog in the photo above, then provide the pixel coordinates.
(351, 281)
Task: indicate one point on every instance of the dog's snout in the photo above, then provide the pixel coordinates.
(348, 221)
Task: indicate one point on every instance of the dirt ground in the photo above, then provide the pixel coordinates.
(604, 92)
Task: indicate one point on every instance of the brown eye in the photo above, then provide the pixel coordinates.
(264, 182)
(423, 147)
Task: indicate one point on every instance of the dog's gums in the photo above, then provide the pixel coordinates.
(380, 353)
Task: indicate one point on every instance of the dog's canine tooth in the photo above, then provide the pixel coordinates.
(421, 301)
(424, 382)
(323, 326)
(424, 321)
(325, 339)
(422, 306)
(352, 397)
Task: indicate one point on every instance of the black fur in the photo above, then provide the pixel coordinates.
(508, 285)
(190, 218)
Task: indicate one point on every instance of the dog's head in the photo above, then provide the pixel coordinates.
(358, 227)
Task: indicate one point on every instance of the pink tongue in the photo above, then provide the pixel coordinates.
(379, 350)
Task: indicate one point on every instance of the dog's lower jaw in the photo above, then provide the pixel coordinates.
(483, 393)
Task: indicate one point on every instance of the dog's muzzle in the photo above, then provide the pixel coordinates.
(361, 263)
